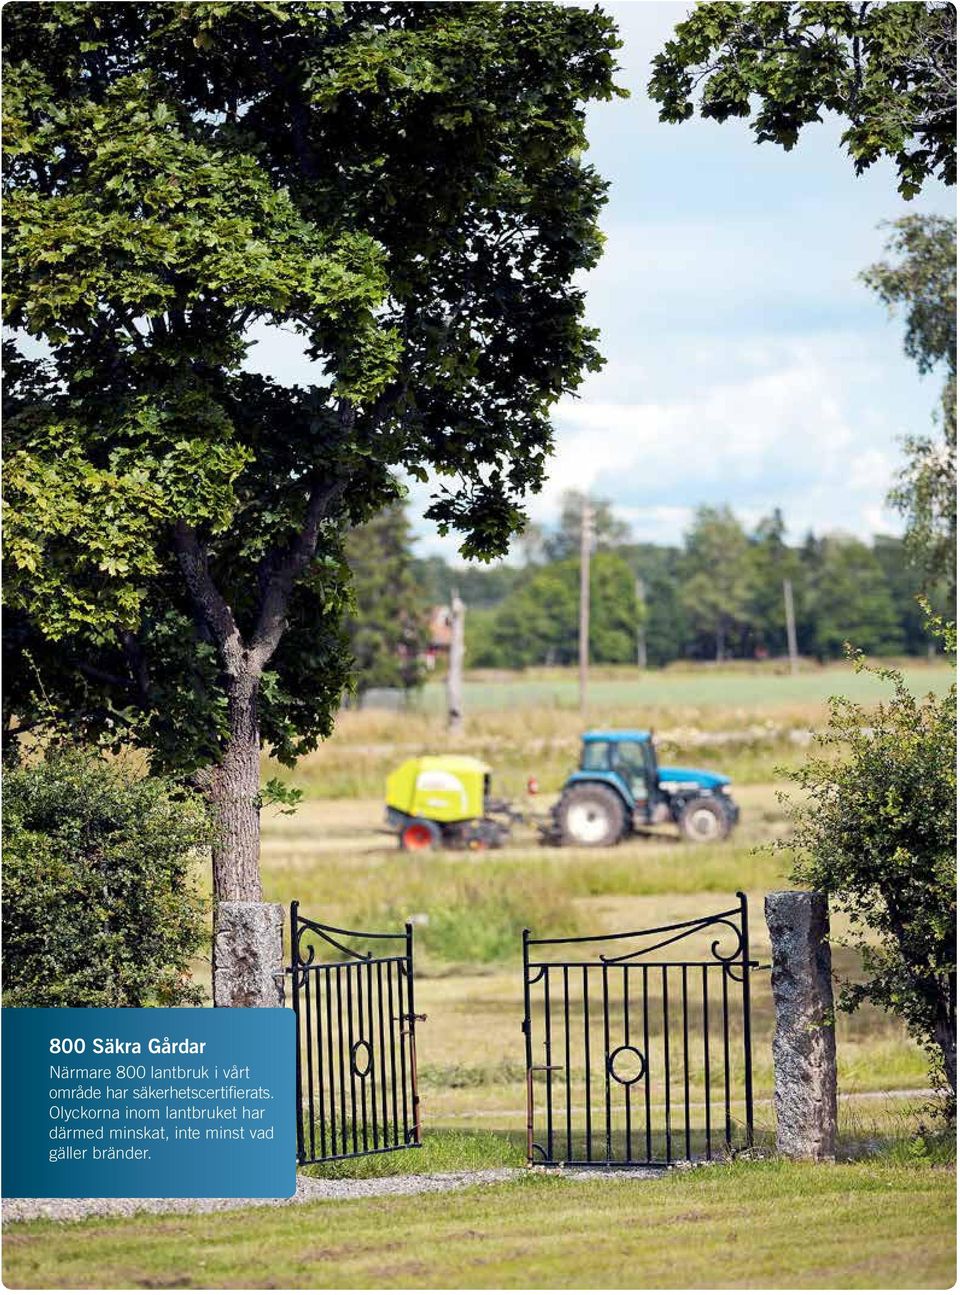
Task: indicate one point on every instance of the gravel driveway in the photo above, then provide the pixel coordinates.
(21, 1209)
(25, 1208)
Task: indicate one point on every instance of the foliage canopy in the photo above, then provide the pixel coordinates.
(726, 576)
(538, 621)
(853, 600)
(920, 279)
(388, 622)
(401, 185)
(889, 68)
(719, 580)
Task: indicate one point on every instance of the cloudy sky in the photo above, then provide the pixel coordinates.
(745, 362)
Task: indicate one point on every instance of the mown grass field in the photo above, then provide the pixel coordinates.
(869, 1225)
(883, 1217)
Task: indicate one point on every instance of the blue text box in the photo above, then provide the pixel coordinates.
(157, 1101)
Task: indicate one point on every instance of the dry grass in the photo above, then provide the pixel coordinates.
(367, 745)
(744, 722)
(471, 908)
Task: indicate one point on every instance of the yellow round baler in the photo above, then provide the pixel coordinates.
(444, 801)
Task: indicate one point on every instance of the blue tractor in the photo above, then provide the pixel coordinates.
(619, 788)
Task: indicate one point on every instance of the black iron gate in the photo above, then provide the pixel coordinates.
(356, 1043)
(632, 1061)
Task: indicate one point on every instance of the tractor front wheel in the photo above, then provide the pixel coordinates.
(419, 834)
(590, 814)
(704, 820)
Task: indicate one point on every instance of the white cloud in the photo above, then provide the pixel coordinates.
(734, 432)
(792, 438)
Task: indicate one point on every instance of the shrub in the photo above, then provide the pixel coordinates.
(877, 833)
(99, 907)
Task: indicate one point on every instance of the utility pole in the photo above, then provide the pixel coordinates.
(586, 539)
(455, 667)
(641, 591)
(791, 624)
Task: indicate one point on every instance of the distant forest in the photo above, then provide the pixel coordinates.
(718, 596)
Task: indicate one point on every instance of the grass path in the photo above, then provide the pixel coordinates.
(865, 1225)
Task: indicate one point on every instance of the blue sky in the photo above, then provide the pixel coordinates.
(745, 362)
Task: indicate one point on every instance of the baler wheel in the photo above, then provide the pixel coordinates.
(421, 834)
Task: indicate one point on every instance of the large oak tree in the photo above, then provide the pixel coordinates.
(403, 186)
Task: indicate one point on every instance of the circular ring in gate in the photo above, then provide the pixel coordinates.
(634, 1061)
(361, 1058)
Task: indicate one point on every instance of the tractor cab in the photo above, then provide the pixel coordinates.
(620, 788)
(629, 758)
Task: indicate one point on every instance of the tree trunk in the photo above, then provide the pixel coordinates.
(720, 640)
(246, 950)
(945, 1033)
(235, 796)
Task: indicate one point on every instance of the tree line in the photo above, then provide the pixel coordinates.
(717, 596)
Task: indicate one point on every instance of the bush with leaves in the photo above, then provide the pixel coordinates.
(877, 833)
(100, 906)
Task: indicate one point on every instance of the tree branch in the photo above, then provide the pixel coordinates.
(857, 63)
(129, 325)
(207, 599)
(103, 676)
(278, 585)
(200, 780)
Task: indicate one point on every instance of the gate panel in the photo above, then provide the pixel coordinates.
(633, 1060)
(356, 1043)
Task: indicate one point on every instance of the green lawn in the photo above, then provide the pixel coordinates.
(864, 1225)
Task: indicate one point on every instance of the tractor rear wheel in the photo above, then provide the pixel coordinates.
(419, 834)
(704, 820)
(590, 814)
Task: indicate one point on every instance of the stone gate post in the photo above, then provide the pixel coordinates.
(804, 1043)
(247, 954)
